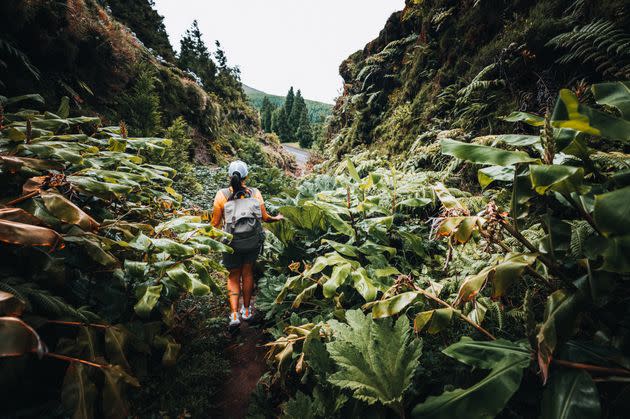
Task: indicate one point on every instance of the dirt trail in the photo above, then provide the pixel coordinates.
(246, 356)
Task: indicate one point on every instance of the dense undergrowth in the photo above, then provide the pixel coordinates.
(102, 271)
(432, 269)
(392, 281)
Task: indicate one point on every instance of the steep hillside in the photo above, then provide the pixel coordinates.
(442, 64)
(146, 22)
(77, 48)
(317, 111)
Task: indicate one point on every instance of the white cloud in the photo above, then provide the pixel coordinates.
(279, 43)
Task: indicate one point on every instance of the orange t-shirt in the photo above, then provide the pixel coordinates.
(219, 203)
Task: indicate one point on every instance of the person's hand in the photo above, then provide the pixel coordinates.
(278, 217)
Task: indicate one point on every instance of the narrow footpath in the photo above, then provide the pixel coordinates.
(246, 353)
(247, 363)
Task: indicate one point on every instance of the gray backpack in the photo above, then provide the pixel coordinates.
(243, 221)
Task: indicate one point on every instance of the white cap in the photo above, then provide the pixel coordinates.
(238, 167)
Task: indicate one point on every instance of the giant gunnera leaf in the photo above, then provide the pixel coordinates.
(485, 399)
(376, 359)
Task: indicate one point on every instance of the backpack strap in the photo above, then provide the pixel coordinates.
(227, 192)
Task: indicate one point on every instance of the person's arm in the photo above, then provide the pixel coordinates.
(217, 210)
(266, 217)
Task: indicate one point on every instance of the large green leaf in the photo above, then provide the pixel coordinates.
(376, 359)
(189, 282)
(571, 394)
(103, 190)
(392, 305)
(363, 284)
(483, 154)
(302, 406)
(15, 163)
(173, 247)
(447, 199)
(460, 228)
(485, 354)
(525, 117)
(79, 393)
(62, 208)
(337, 278)
(616, 94)
(344, 249)
(490, 174)
(563, 179)
(570, 113)
(94, 248)
(148, 300)
(370, 248)
(283, 230)
(489, 396)
(559, 320)
(518, 140)
(304, 295)
(502, 276)
(332, 216)
(305, 217)
(17, 99)
(616, 255)
(116, 344)
(433, 321)
(612, 212)
(414, 202)
(352, 170)
(115, 404)
(200, 266)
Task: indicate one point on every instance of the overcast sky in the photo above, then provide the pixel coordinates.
(279, 43)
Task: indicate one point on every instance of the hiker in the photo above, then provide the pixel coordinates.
(240, 209)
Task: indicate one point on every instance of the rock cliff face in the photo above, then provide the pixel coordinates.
(442, 64)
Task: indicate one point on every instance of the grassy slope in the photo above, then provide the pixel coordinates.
(317, 110)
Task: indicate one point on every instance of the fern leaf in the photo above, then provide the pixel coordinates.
(600, 43)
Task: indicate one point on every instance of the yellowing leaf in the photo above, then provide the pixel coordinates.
(433, 321)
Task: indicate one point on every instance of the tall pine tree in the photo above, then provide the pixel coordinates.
(280, 125)
(299, 107)
(288, 102)
(146, 22)
(194, 56)
(304, 133)
(265, 114)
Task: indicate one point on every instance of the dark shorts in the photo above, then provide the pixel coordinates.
(238, 259)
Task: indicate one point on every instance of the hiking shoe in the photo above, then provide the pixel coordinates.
(247, 313)
(234, 320)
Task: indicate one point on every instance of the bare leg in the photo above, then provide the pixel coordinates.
(248, 283)
(234, 288)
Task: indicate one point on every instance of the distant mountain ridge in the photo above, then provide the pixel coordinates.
(317, 111)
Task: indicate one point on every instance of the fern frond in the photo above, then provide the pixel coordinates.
(44, 303)
(13, 289)
(614, 160)
(497, 310)
(479, 84)
(600, 43)
(580, 231)
(8, 50)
